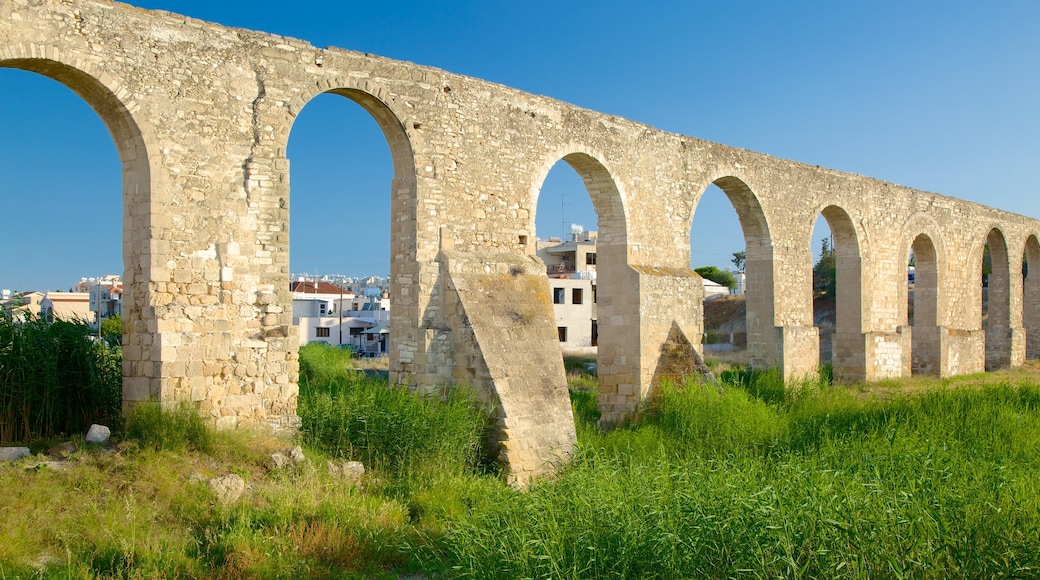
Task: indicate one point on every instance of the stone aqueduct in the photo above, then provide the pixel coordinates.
(201, 115)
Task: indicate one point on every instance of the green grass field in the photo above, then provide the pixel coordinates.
(936, 480)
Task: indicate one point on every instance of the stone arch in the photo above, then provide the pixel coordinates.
(849, 356)
(143, 220)
(612, 252)
(997, 300)
(762, 346)
(921, 224)
(607, 198)
(1031, 296)
(925, 325)
(393, 123)
(405, 251)
(616, 315)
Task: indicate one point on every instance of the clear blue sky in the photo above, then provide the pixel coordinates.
(941, 96)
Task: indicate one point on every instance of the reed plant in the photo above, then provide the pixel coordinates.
(348, 414)
(55, 379)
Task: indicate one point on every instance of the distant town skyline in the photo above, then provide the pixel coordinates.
(939, 96)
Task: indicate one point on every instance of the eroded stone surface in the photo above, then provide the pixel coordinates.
(13, 453)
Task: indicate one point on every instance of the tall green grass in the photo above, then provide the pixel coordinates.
(54, 379)
(155, 428)
(758, 479)
(815, 482)
(348, 414)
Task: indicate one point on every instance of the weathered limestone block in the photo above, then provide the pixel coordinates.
(503, 322)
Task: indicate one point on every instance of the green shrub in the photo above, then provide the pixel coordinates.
(584, 395)
(153, 427)
(323, 364)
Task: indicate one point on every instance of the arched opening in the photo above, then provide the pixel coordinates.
(61, 188)
(996, 301)
(89, 213)
(759, 326)
(923, 307)
(1031, 296)
(567, 228)
(344, 154)
(587, 268)
(717, 253)
(837, 294)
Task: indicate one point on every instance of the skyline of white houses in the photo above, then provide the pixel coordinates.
(354, 312)
(357, 316)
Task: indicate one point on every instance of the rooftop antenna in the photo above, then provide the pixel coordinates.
(563, 217)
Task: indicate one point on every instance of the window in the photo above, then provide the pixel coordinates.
(590, 258)
(562, 332)
(323, 309)
(593, 293)
(576, 296)
(559, 296)
(321, 332)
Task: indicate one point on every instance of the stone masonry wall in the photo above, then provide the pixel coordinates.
(201, 115)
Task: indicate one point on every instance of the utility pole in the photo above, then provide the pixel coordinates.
(98, 316)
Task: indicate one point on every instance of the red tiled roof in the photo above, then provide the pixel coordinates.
(309, 287)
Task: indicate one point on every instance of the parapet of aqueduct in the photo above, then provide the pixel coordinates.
(201, 115)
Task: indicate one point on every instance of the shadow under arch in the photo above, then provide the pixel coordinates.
(405, 267)
(762, 339)
(141, 380)
(848, 347)
(1031, 296)
(995, 297)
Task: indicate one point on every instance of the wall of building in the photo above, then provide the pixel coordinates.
(574, 318)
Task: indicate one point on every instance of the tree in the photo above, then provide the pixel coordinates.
(724, 277)
(112, 329)
(738, 260)
(824, 272)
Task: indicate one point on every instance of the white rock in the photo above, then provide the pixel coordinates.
(280, 460)
(98, 434)
(13, 453)
(352, 470)
(228, 489)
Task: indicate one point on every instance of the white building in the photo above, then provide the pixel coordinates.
(20, 305)
(713, 289)
(68, 306)
(335, 315)
(105, 295)
(571, 267)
